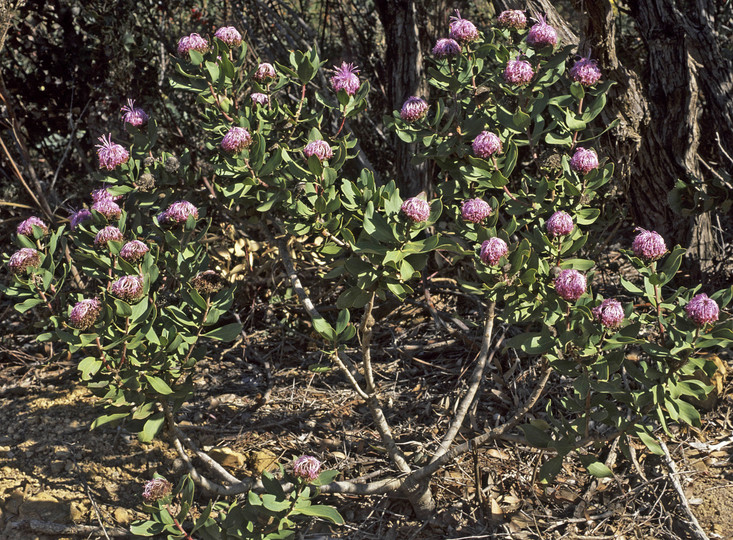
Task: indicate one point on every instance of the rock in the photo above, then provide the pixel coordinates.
(14, 501)
(261, 461)
(57, 466)
(46, 507)
(77, 511)
(122, 516)
(228, 457)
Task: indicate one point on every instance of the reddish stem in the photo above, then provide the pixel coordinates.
(343, 121)
(218, 103)
(575, 135)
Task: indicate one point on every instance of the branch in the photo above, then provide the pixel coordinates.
(695, 528)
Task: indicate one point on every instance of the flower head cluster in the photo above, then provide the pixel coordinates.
(178, 212)
(486, 144)
(416, 209)
(111, 154)
(559, 224)
(492, 250)
(585, 71)
(584, 160)
(26, 227)
(128, 288)
(229, 35)
(345, 78)
(78, 217)
(413, 109)
(194, 42)
(518, 72)
(260, 99)
(134, 116)
(108, 208)
(109, 233)
(133, 251)
(609, 313)
(461, 30)
(236, 140)
(208, 282)
(513, 18)
(542, 34)
(23, 259)
(85, 313)
(648, 245)
(103, 194)
(156, 489)
(475, 210)
(307, 468)
(702, 310)
(570, 284)
(446, 47)
(320, 149)
(265, 72)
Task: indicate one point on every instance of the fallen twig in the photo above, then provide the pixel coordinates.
(695, 528)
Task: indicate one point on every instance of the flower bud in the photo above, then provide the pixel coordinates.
(518, 72)
(133, 251)
(260, 99)
(416, 209)
(486, 144)
(26, 227)
(134, 116)
(446, 47)
(475, 210)
(193, 42)
(103, 194)
(108, 209)
(492, 250)
(172, 164)
(307, 468)
(156, 489)
(85, 313)
(702, 310)
(559, 224)
(111, 154)
(346, 78)
(23, 259)
(229, 35)
(513, 18)
(585, 71)
(128, 288)
(542, 34)
(413, 109)
(178, 212)
(78, 217)
(208, 282)
(648, 245)
(265, 72)
(109, 233)
(320, 149)
(610, 313)
(461, 30)
(570, 284)
(584, 160)
(145, 182)
(236, 140)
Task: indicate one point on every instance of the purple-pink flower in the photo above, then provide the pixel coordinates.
(78, 217)
(702, 310)
(134, 116)
(648, 245)
(111, 154)
(610, 313)
(260, 99)
(585, 71)
(229, 35)
(236, 140)
(102, 194)
(475, 210)
(85, 313)
(518, 72)
(416, 209)
(570, 284)
(193, 42)
(23, 259)
(513, 18)
(128, 288)
(320, 149)
(133, 251)
(446, 47)
(108, 208)
(345, 78)
(492, 250)
(307, 468)
(462, 30)
(156, 489)
(542, 34)
(26, 227)
(413, 109)
(178, 212)
(108, 234)
(265, 72)
(584, 160)
(559, 224)
(486, 144)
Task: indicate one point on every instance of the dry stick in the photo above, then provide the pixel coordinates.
(696, 530)
(476, 378)
(59, 529)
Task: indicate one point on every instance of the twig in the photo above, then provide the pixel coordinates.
(58, 529)
(696, 530)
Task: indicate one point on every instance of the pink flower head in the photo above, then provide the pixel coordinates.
(133, 251)
(702, 310)
(111, 154)
(345, 78)
(128, 288)
(542, 34)
(413, 109)
(85, 313)
(486, 144)
(320, 149)
(134, 116)
(610, 313)
(26, 227)
(513, 18)
(446, 47)
(156, 489)
(475, 210)
(518, 72)
(109, 233)
(108, 208)
(79, 216)
(260, 99)
(193, 42)
(559, 224)
(416, 209)
(584, 160)
(103, 194)
(570, 284)
(236, 140)
(229, 35)
(307, 468)
(23, 259)
(265, 72)
(179, 212)
(648, 245)
(492, 250)
(461, 30)
(585, 71)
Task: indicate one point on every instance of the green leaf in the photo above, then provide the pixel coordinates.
(159, 385)
(329, 513)
(107, 418)
(28, 304)
(649, 440)
(550, 469)
(152, 427)
(146, 528)
(225, 333)
(89, 366)
(599, 470)
(536, 437)
(324, 328)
